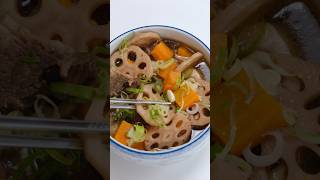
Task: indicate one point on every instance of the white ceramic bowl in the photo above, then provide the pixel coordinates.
(199, 138)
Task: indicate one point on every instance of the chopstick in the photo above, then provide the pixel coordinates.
(137, 101)
(117, 103)
(55, 125)
(40, 142)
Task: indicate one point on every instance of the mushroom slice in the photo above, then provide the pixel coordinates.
(144, 110)
(144, 39)
(132, 62)
(201, 119)
(190, 62)
(176, 133)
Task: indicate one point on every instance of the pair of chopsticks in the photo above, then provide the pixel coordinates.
(116, 103)
(32, 124)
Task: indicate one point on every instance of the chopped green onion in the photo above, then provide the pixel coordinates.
(134, 90)
(136, 134)
(123, 45)
(143, 79)
(156, 113)
(75, 90)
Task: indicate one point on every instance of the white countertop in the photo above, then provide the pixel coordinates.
(189, 15)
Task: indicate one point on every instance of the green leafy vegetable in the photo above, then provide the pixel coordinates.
(134, 90)
(74, 90)
(124, 114)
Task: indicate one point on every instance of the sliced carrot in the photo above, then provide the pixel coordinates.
(186, 98)
(164, 72)
(161, 52)
(139, 145)
(121, 135)
(183, 51)
(122, 131)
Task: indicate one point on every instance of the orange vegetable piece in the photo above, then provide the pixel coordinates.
(171, 80)
(183, 51)
(263, 114)
(121, 135)
(163, 73)
(186, 98)
(161, 52)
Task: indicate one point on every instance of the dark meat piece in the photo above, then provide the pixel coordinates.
(117, 82)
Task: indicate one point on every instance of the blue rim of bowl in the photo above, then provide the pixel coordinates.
(179, 148)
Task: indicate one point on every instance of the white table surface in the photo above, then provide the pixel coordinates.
(189, 15)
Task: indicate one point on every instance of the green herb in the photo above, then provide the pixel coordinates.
(30, 59)
(124, 114)
(74, 90)
(134, 90)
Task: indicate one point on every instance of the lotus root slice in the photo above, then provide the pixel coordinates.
(132, 61)
(143, 110)
(174, 134)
